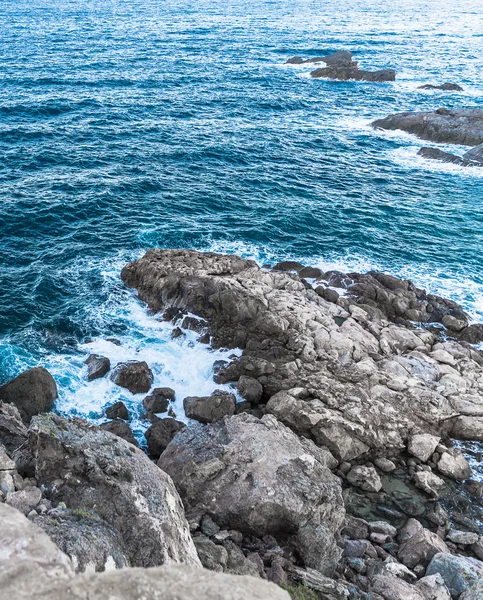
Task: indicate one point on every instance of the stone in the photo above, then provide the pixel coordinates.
(117, 410)
(113, 478)
(356, 529)
(158, 400)
(160, 434)
(383, 527)
(447, 87)
(97, 366)
(32, 392)
(422, 446)
(121, 429)
(447, 157)
(211, 408)
(477, 548)
(250, 389)
(135, 376)
(433, 587)
(460, 126)
(13, 432)
(25, 500)
(6, 463)
(473, 592)
(365, 478)
(230, 468)
(420, 548)
(454, 465)
(212, 556)
(394, 588)
(429, 483)
(463, 538)
(458, 572)
(386, 465)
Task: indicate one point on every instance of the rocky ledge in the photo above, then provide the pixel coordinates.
(338, 474)
(340, 65)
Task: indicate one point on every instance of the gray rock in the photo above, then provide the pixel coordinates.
(356, 529)
(210, 408)
(13, 432)
(464, 538)
(25, 500)
(383, 527)
(429, 483)
(121, 429)
(420, 548)
(447, 157)
(348, 73)
(394, 588)
(158, 400)
(386, 465)
(257, 477)
(250, 389)
(160, 434)
(433, 588)
(6, 463)
(32, 392)
(447, 87)
(458, 572)
(113, 478)
(212, 556)
(423, 446)
(97, 366)
(365, 478)
(473, 592)
(135, 376)
(454, 465)
(460, 126)
(117, 410)
(475, 155)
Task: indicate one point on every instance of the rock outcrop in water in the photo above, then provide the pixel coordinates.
(337, 472)
(340, 65)
(445, 87)
(458, 126)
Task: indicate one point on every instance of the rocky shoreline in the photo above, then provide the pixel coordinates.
(337, 473)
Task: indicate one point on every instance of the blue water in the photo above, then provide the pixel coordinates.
(127, 124)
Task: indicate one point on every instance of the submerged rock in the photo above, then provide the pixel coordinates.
(33, 392)
(472, 158)
(257, 477)
(447, 87)
(458, 126)
(118, 482)
(135, 376)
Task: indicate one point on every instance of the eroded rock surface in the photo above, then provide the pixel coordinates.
(32, 392)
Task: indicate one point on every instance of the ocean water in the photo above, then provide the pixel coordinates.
(128, 124)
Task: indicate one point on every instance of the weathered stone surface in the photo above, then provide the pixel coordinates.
(433, 588)
(212, 556)
(32, 392)
(117, 410)
(28, 557)
(257, 477)
(474, 591)
(97, 366)
(421, 546)
(210, 408)
(24, 500)
(13, 432)
(447, 87)
(393, 588)
(460, 126)
(454, 465)
(447, 157)
(250, 389)
(423, 446)
(465, 538)
(458, 572)
(158, 400)
(160, 434)
(135, 376)
(365, 477)
(429, 482)
(121, 429)
(116, 480)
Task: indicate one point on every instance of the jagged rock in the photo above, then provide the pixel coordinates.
(158, 400)
(473, 592)
(121, 429)
(446, 157)
(346, 73)
(421, 546)
(468, 428)
(135, 376)
(210, 408)
(250, 389)
(90, 543)
(97, 366)
(25, 500)
(365, 478)
(447, 87)
(383, 527)
(113, 478)
(465, 538)
(423, 446)
(117, 410)
(32, 392)
(433, 588)
(473, 334)
(477, 548)
(460, 126)
(429, 483)
(394, 588)
(160, 434)
(257, 477)
(236, 562)
(29, 558)
(339, 590)
(6, 463)
(458, 572)
(454, 465)
(212, 556)
(13, 432)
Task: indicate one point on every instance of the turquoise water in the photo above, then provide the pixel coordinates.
(129, 124)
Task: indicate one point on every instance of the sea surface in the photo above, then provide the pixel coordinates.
(128, 124)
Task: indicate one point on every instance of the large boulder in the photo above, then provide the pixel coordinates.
(210, 408)
(135, 376)
(257, 477)
(33, 392)
(120, 428)
(422, 446)
(13, 431)
(158, 400)
(160, 434)
(421, 546)
(459, 126)
(458, 572)
(97, 366)
(90, 469)
(454, 465)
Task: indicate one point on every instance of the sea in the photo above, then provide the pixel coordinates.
(132, 124)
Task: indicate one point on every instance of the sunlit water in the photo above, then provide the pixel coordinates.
(131, 124)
